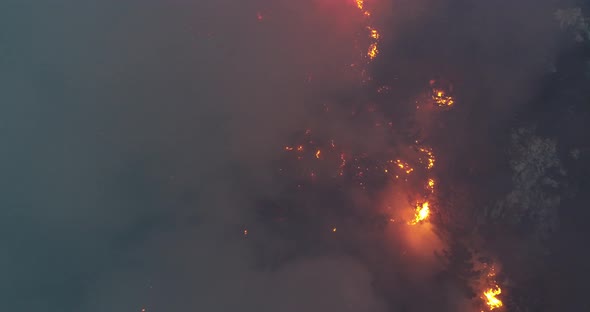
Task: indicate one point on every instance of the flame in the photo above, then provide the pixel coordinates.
(288, 148)
(317, 154)
(334, 229)
(300, 148)
(491, 297)
(404, 166)
(431, 159)
(373, 50)
(374, 33)
(441, 98)
(422, 213)
(360, 4)
(430, 185)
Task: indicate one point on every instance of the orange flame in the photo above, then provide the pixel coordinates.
(373, 50)
(317, 154)
(441, 98)
(422, 213)
(374, 33)
(491, 297)
(404, 166)
(430, 185)
(360, 4)
(431, 159)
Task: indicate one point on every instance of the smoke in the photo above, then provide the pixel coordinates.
(142, 137)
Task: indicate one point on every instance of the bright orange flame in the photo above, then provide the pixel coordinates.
(431, 158)
(422, 213)
(317, 154)
(431, 185)
(404, 166)
(373, 50)
(360, 4)
(490, 296)
(374, 33)
(441, 98)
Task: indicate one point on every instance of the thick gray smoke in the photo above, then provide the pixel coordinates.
(137, 135)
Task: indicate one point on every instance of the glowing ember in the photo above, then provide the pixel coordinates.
(491, 297)
(360, 4)
(422, 213)
(333, 229)
(245, 232)
(288, 148)
(342, 164)
(430, 185)
(318, 153)
(373, 51)
(431, 159)
(374, 33)
(441, 98)
(404, 166)
(300, 148)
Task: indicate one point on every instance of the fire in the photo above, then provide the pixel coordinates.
(360, 4)
(348, 166)
(422, 213)
(404, 166)
(441, 98)
(374, 33)
(430, 185)
(431, 159)
(491, 297)
(373, 50)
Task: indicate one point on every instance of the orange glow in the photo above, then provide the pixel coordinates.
(422, 213)
(360, 4)
(430, 185)
(404, 166)
(342, 164)
(288, 148)
(490, 295)
(245, 232)
(373, 50)
(334, 229)
(441, 98)
(318, 153)
(300, 148)
(374, 33)
(431, 159)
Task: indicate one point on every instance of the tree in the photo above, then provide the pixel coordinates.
(536, 171)
(574, 20)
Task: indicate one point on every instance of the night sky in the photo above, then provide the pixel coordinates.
(141, 139)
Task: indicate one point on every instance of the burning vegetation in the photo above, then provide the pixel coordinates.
(317, 162)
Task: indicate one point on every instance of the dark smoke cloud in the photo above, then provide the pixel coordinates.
(139, 135)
